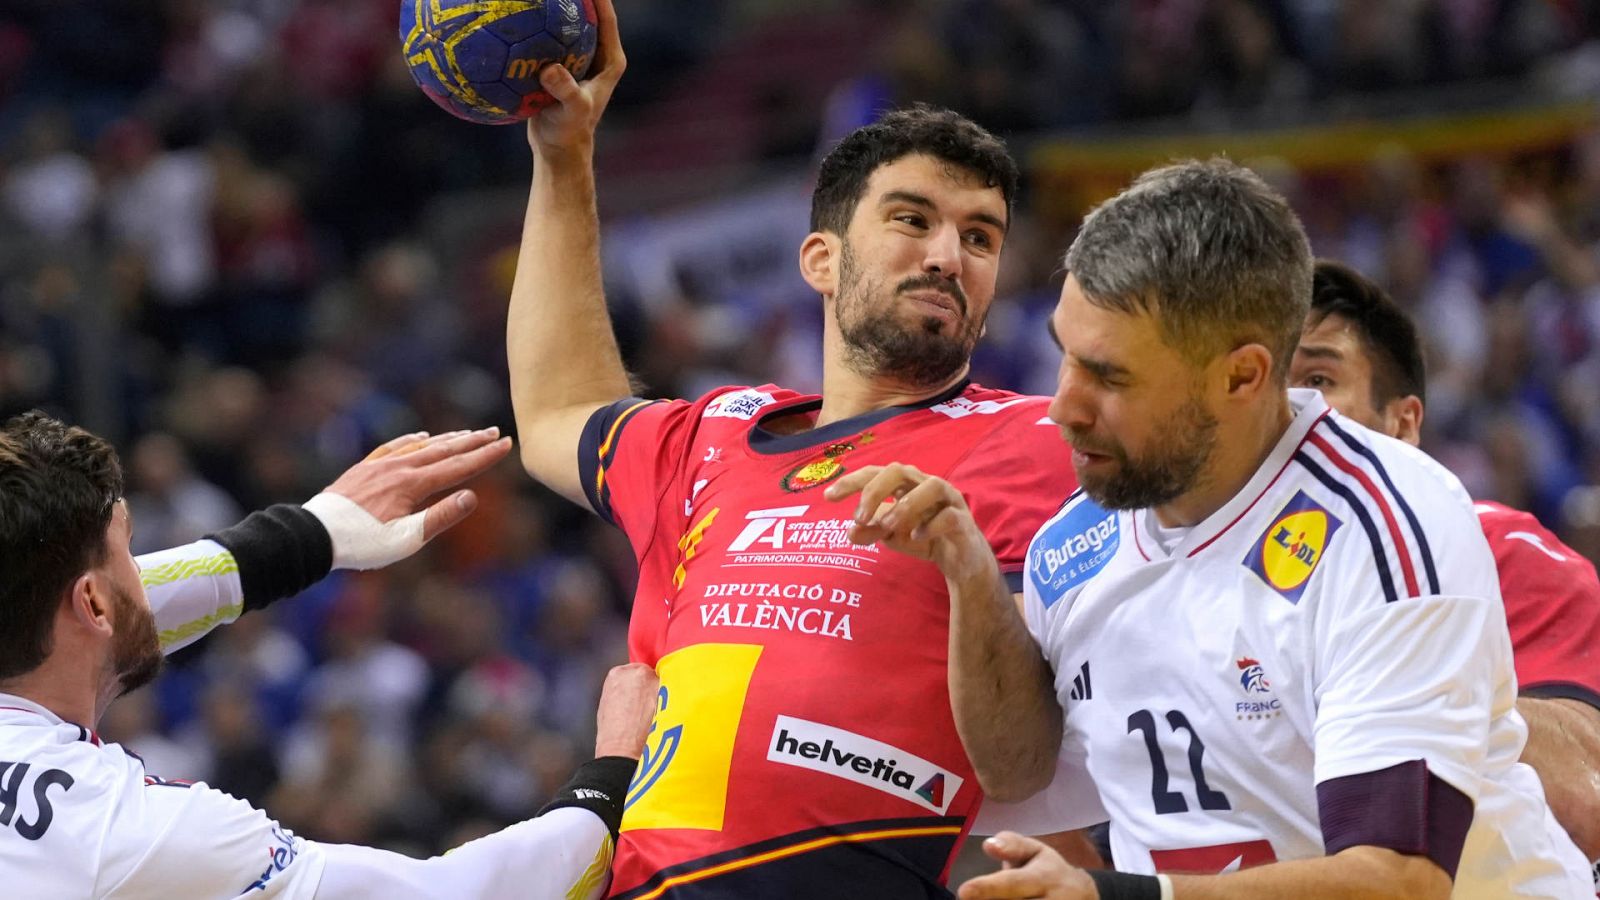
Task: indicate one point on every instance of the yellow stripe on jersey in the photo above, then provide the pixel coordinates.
(201, 625)
(217, 564)
(611, 438)
(797, 849)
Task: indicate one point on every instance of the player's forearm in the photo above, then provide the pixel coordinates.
(562, 353)
(273, 553)
(1001, 689)
(1360, 873)
(1564, 748)
(565, 853)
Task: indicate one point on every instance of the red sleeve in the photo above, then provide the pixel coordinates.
(629, 456)
(1552, 598)
(1015, 479)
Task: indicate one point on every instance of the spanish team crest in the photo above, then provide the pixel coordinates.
(1292, 546)
(824, 469)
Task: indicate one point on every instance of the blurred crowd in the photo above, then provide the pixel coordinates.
(235, 238)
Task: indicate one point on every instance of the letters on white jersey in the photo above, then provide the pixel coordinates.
(82, 819)
(1340, 615)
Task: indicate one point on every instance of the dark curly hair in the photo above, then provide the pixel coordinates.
(939, 133)
(58, 485)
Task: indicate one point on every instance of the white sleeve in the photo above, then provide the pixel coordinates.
(170, 841)
(565, 853)
(192, 589)
(1417, 677)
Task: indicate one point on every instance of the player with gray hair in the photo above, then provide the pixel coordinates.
(1267, 638)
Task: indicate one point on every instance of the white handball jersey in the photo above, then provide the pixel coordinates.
(1340, 615)
(80, 818)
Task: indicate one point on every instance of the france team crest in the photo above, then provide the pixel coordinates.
(1292, 546)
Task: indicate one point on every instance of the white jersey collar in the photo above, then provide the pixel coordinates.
(17, 711)
(1308, 408)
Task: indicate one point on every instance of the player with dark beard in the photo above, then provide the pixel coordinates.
(804, 745)
(83, 621)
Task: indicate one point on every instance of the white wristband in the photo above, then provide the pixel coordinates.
(1166, 887)
(360, 541)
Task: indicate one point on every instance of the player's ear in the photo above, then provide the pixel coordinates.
(1405, 419)
(89, 603)
(1249, 369)
(819, 254)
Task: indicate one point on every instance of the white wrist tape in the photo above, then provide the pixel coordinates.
(360, 541)
(1166, 886)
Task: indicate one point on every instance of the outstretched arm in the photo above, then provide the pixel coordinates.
(1001, 689)
(563, 357)
(563, 853)
(376, 513)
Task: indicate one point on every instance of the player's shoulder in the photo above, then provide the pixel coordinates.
(990, 405)
(1366, 470)
(1498, 520)
(1399, 510)
(1071, 548)
(738, 406)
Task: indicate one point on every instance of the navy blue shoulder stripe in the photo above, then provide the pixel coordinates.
(1405, 508)
(1070, 497)
(1370, 527)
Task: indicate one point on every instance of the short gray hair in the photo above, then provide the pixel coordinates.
(1206, 248)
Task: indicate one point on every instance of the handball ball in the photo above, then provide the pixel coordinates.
(480, 59)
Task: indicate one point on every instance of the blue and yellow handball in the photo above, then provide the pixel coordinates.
(480, 59)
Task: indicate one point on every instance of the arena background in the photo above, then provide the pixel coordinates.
(235, 238)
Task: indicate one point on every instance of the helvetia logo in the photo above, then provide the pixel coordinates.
(853, 757)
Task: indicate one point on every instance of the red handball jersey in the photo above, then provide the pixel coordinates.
(1552, 599)
(804, 744)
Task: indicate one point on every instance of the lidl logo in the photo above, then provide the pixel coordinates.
(1292, 546)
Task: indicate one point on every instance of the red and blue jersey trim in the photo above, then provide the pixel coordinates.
(1374, 507)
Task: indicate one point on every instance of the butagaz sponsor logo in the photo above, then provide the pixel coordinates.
(1253, 679)
(737, 405)
(1071, 549)
(961, 407)
(860, 759)
(783, 537)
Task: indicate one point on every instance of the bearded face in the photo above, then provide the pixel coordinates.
(885, 333)
(136, 656)
(1157, 474)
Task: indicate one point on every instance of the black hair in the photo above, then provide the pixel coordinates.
(58, 486)
(1388, 334)
(919, 129)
